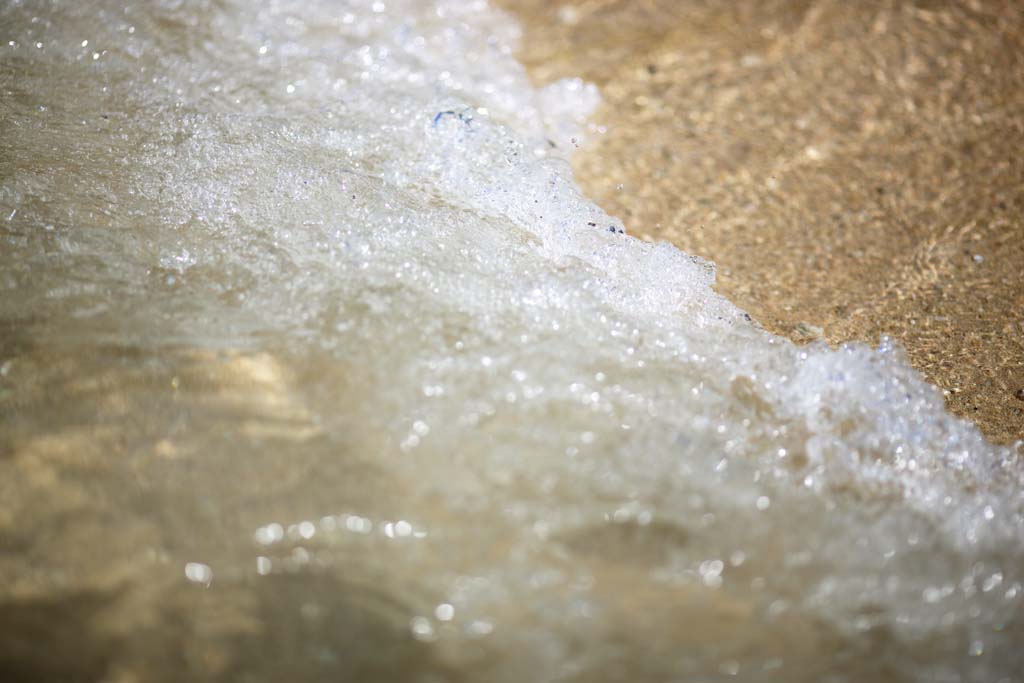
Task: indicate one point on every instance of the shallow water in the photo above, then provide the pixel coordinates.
(315, 363)
(844, 164)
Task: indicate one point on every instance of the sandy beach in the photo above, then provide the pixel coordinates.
(317, 363)
(852, 168)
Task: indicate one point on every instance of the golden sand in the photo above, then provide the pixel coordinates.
(854, 169)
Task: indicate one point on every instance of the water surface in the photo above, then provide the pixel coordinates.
(316, 364)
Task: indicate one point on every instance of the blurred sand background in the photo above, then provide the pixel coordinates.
(854, 168)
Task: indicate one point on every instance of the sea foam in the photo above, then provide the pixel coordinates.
(584, 459)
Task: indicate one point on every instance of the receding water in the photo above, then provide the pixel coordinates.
(315, 365)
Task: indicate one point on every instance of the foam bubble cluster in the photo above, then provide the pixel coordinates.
(460, 384)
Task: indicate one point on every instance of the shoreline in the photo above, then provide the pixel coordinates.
(845, 167)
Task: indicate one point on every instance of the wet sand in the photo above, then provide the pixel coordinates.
(229, 452)
(853, 169)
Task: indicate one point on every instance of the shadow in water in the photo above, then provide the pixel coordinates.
(50, 640)
(294, 627)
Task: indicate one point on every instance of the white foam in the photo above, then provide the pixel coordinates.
(387, 190)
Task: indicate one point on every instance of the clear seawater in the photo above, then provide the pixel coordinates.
(315, 364)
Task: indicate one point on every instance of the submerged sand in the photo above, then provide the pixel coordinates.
(853, 169)
(310, 370)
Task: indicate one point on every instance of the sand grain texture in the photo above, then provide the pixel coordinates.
(854, 169)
